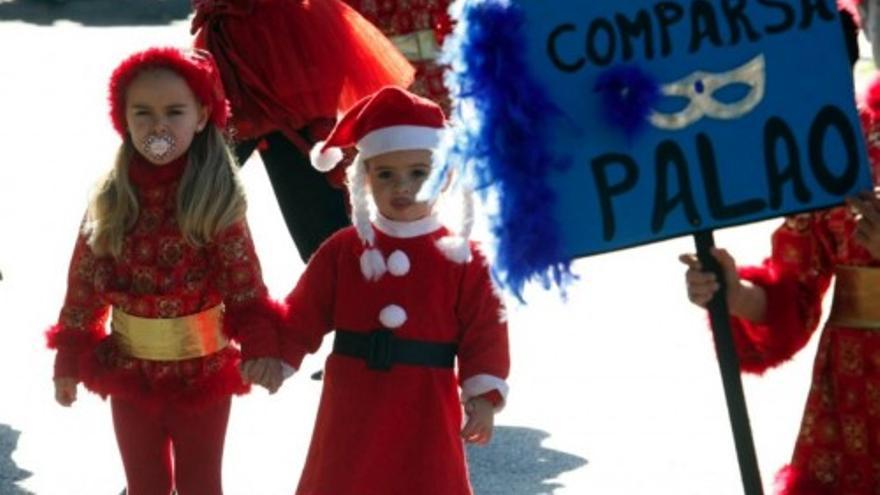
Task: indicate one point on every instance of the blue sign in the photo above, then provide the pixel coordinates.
(692, 115)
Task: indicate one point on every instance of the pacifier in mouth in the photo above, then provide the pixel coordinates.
(159, 146)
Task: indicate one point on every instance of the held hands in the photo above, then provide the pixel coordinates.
(265, 372)
(65, 391)
(480, 421)
(867, 210)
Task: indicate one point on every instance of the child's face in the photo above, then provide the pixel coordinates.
(163, 115)
(395, 179)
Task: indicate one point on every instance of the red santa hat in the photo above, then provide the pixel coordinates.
(195, 66)
(392, 119)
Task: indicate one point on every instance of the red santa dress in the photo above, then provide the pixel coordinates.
(160, 275)
(838, 447)
(395, 432)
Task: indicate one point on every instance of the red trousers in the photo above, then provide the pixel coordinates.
(171, 449)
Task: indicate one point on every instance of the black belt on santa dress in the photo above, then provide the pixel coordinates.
(381, 349)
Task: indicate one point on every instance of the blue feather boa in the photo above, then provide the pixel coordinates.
(627, 95)
(500, 141)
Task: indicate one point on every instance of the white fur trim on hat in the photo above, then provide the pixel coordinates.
(324, 161)
(372, 264)
(397, 138)
(482, 383)
(392, 316)
(398, 263)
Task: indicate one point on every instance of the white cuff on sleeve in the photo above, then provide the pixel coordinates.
(480, 384)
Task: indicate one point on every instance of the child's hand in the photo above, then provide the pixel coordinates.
(480, 421)
(867, 209)
(265, 372)
(65, 391)
(702, 285)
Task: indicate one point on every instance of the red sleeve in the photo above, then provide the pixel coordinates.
(483, 353)
(795, 278)
(81, 323)
(310, 304)
(251, 316)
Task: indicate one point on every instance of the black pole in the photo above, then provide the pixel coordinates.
(729, 364)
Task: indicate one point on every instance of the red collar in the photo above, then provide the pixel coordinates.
(145, 174)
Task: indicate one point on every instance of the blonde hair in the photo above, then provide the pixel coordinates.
(209, 198)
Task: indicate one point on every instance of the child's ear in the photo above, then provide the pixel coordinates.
(204, 114)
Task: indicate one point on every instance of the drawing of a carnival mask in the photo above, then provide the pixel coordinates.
(700, 89)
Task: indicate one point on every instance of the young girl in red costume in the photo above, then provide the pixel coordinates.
(404, 297)
(166, 256)
(289, 66)
(776, 307)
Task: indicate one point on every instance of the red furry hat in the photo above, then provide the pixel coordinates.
(195, 66)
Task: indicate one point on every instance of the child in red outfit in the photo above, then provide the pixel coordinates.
(405, 298)
(166, 256)
(776, 307)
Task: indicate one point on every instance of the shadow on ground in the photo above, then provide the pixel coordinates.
(95, 12)
(515, 463)
(10, 474)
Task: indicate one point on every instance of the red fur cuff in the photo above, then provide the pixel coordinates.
(58, 337)
(72, 345)
(255, 326)
(761, 346)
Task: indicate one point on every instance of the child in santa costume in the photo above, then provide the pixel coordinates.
(165, 255)
(405, 298)
(289, 66)
(776, 307)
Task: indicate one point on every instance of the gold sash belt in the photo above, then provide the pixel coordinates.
(856, 297)
(418, 45)
(170, 339)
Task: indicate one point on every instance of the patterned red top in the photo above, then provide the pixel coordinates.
(160, 275)
(397, 17)
(838, 449)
